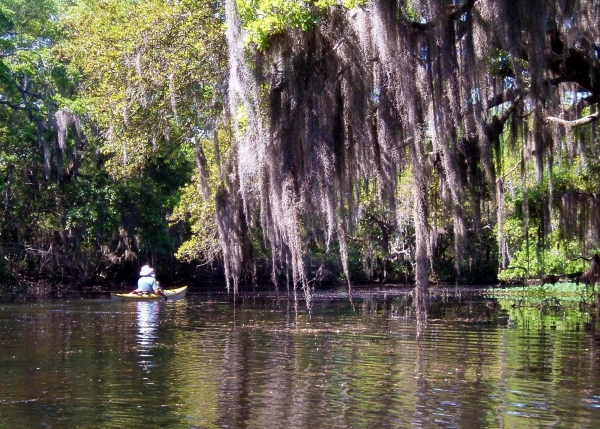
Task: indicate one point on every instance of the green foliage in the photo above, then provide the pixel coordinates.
(558, 258)
(146, 82)
(104, 197)
(202, 239)
(411, 13)
(581, 175)
(566, 291)
(264, 19)
(153, 73)
(27, 32)
(547, 252)
(501, 63)
(380, 246)
(153, 76)
(29, 80)
(93, 207)
(197, 206)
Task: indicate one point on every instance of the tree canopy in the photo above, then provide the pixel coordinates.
(411, 141)
(483, 106)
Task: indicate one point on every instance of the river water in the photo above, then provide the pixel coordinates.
(263, 362)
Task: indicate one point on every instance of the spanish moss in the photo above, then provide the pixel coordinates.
(394, 89)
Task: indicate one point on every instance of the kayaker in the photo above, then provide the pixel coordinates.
(147, 282)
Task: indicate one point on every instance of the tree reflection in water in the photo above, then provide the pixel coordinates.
(147, 324)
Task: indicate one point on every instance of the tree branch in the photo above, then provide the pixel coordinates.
(25, 92)
(455, 12)
(581, 257)
(461, 9)
(503, 97)
(19, 107)
(501, 179)
(576, 123)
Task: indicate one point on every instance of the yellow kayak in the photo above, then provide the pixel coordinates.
(171, 294)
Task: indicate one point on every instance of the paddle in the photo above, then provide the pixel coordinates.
(161, 293)
(159, 290)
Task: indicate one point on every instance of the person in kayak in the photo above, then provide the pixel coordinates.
(147, 282)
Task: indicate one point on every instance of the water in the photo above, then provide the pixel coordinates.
(204, 363)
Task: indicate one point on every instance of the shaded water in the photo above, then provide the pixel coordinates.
(203, 362)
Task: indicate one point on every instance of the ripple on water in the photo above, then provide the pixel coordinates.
(207, 364)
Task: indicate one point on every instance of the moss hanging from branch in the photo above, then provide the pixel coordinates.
(363, 96)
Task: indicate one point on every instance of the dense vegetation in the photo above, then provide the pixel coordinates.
(301, 143)
(104, 114)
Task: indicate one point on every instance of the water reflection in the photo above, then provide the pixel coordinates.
(147, 324)
(259, 365)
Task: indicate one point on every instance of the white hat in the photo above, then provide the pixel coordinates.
(146, 271)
